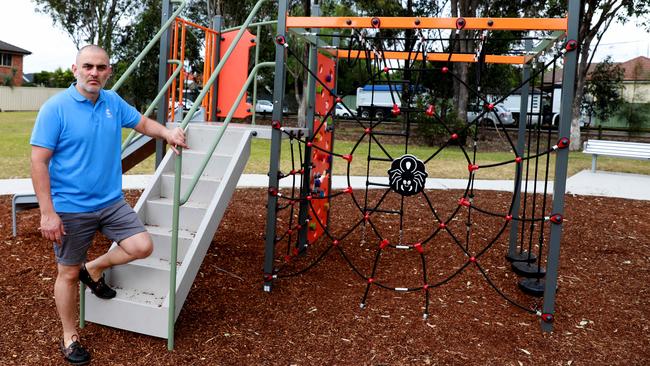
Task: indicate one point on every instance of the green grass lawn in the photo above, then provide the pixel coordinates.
(16, 127)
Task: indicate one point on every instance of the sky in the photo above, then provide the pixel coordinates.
(52, 48)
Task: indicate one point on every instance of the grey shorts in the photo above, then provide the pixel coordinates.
(117, 222)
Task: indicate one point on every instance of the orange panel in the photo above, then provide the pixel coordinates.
(234, 74)
(444, 57)
(552, 24)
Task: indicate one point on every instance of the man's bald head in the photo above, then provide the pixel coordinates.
(91, 48)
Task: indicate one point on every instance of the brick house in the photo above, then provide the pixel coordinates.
(11, 63)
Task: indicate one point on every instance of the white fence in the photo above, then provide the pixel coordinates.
(24, 98)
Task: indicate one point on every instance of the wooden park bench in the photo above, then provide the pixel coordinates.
(618, 149)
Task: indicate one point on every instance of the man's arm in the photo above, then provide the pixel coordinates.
(174, 138)
(51, 224)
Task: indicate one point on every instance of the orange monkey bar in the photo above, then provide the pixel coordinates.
(442, 57)
(178, 46)
(514, 24)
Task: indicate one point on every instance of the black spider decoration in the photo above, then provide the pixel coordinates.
(407, 175)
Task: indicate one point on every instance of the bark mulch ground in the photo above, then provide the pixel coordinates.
(603, 304)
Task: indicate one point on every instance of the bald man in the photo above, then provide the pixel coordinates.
(77, 176)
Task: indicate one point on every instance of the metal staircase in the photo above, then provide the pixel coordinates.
(142, 301)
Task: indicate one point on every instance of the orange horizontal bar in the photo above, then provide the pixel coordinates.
(187, 22)
(436, 57)
(519, 24)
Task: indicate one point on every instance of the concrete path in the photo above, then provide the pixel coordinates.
(604, 184)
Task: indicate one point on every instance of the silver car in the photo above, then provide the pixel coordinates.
(499, 113)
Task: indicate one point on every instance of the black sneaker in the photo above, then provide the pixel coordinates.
(75, 353)
(99, 287)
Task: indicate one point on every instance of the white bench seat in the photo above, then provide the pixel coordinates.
(618, 149)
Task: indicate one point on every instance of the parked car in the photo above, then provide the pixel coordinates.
(265, 106)
(499, 113)
(341, 111)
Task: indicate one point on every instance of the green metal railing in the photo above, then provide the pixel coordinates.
(118, 84)
(178, 163)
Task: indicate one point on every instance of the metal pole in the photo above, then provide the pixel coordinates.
(562, 160)
(165, 40)
(276, 144)
(309, 123)
(217, 24)
(257, 60)
(514, 255)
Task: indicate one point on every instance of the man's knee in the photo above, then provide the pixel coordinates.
(68, 273)
(139, 245)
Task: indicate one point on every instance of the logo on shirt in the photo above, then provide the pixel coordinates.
(108, 113)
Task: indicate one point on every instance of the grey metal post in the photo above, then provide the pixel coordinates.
(562, 160)
(309, 123)
(257, 60)
(513, 254)
(276, 144)
(162, 77)
(217, 25)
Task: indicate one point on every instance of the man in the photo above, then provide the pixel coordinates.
(77, 177)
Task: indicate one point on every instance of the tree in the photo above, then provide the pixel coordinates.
(89, 22)
(605, 85)
(596, 17)
(57, 79)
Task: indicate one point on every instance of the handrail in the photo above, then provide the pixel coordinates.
(148, 47)
(267, 22)
(178, 163)
(154, 103)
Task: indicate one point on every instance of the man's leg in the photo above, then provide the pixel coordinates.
(137, 246)
(65, 296)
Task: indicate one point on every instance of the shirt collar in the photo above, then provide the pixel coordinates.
(79, 97)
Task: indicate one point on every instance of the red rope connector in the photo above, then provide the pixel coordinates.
(460, 23)
(371, 280)
(563, 143)
(518, 159)
(442, 225)
(490, 106)
(347, 157)
(430, 110)
(273, 192)
(395, 111)
(295, 251)
(366, 217)
(571, 45)
(309, 197)
(556, 218)
(338, 99)
(386, 69)
(375, 22)
(289, 231)
(548, 318)
(444, 69)
(472, 259)
(383, 244)
(418, 247)
(279, 39)
(348, 190)
(508, 217)
(335, 243)
(425, 287)
(368, 130)
(310, 144)
(454, 136)
(268, 277)
(276, 125)
(472, 167)
(464, 202)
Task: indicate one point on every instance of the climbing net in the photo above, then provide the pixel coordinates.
(452, 237)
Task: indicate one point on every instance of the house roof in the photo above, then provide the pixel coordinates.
(9, 48)
(636, 69)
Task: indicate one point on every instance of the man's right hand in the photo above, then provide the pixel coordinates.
(52, 227)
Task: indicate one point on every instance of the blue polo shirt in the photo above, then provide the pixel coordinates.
(85, 169)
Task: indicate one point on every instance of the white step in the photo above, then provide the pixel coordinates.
(200, 138)
(158, 212)
(203, 191)
(162, 240)
(192, 161)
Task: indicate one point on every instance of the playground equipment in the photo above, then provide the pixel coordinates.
(183, 221)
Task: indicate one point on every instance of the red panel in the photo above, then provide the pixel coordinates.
(234, 74)
(323, 138)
